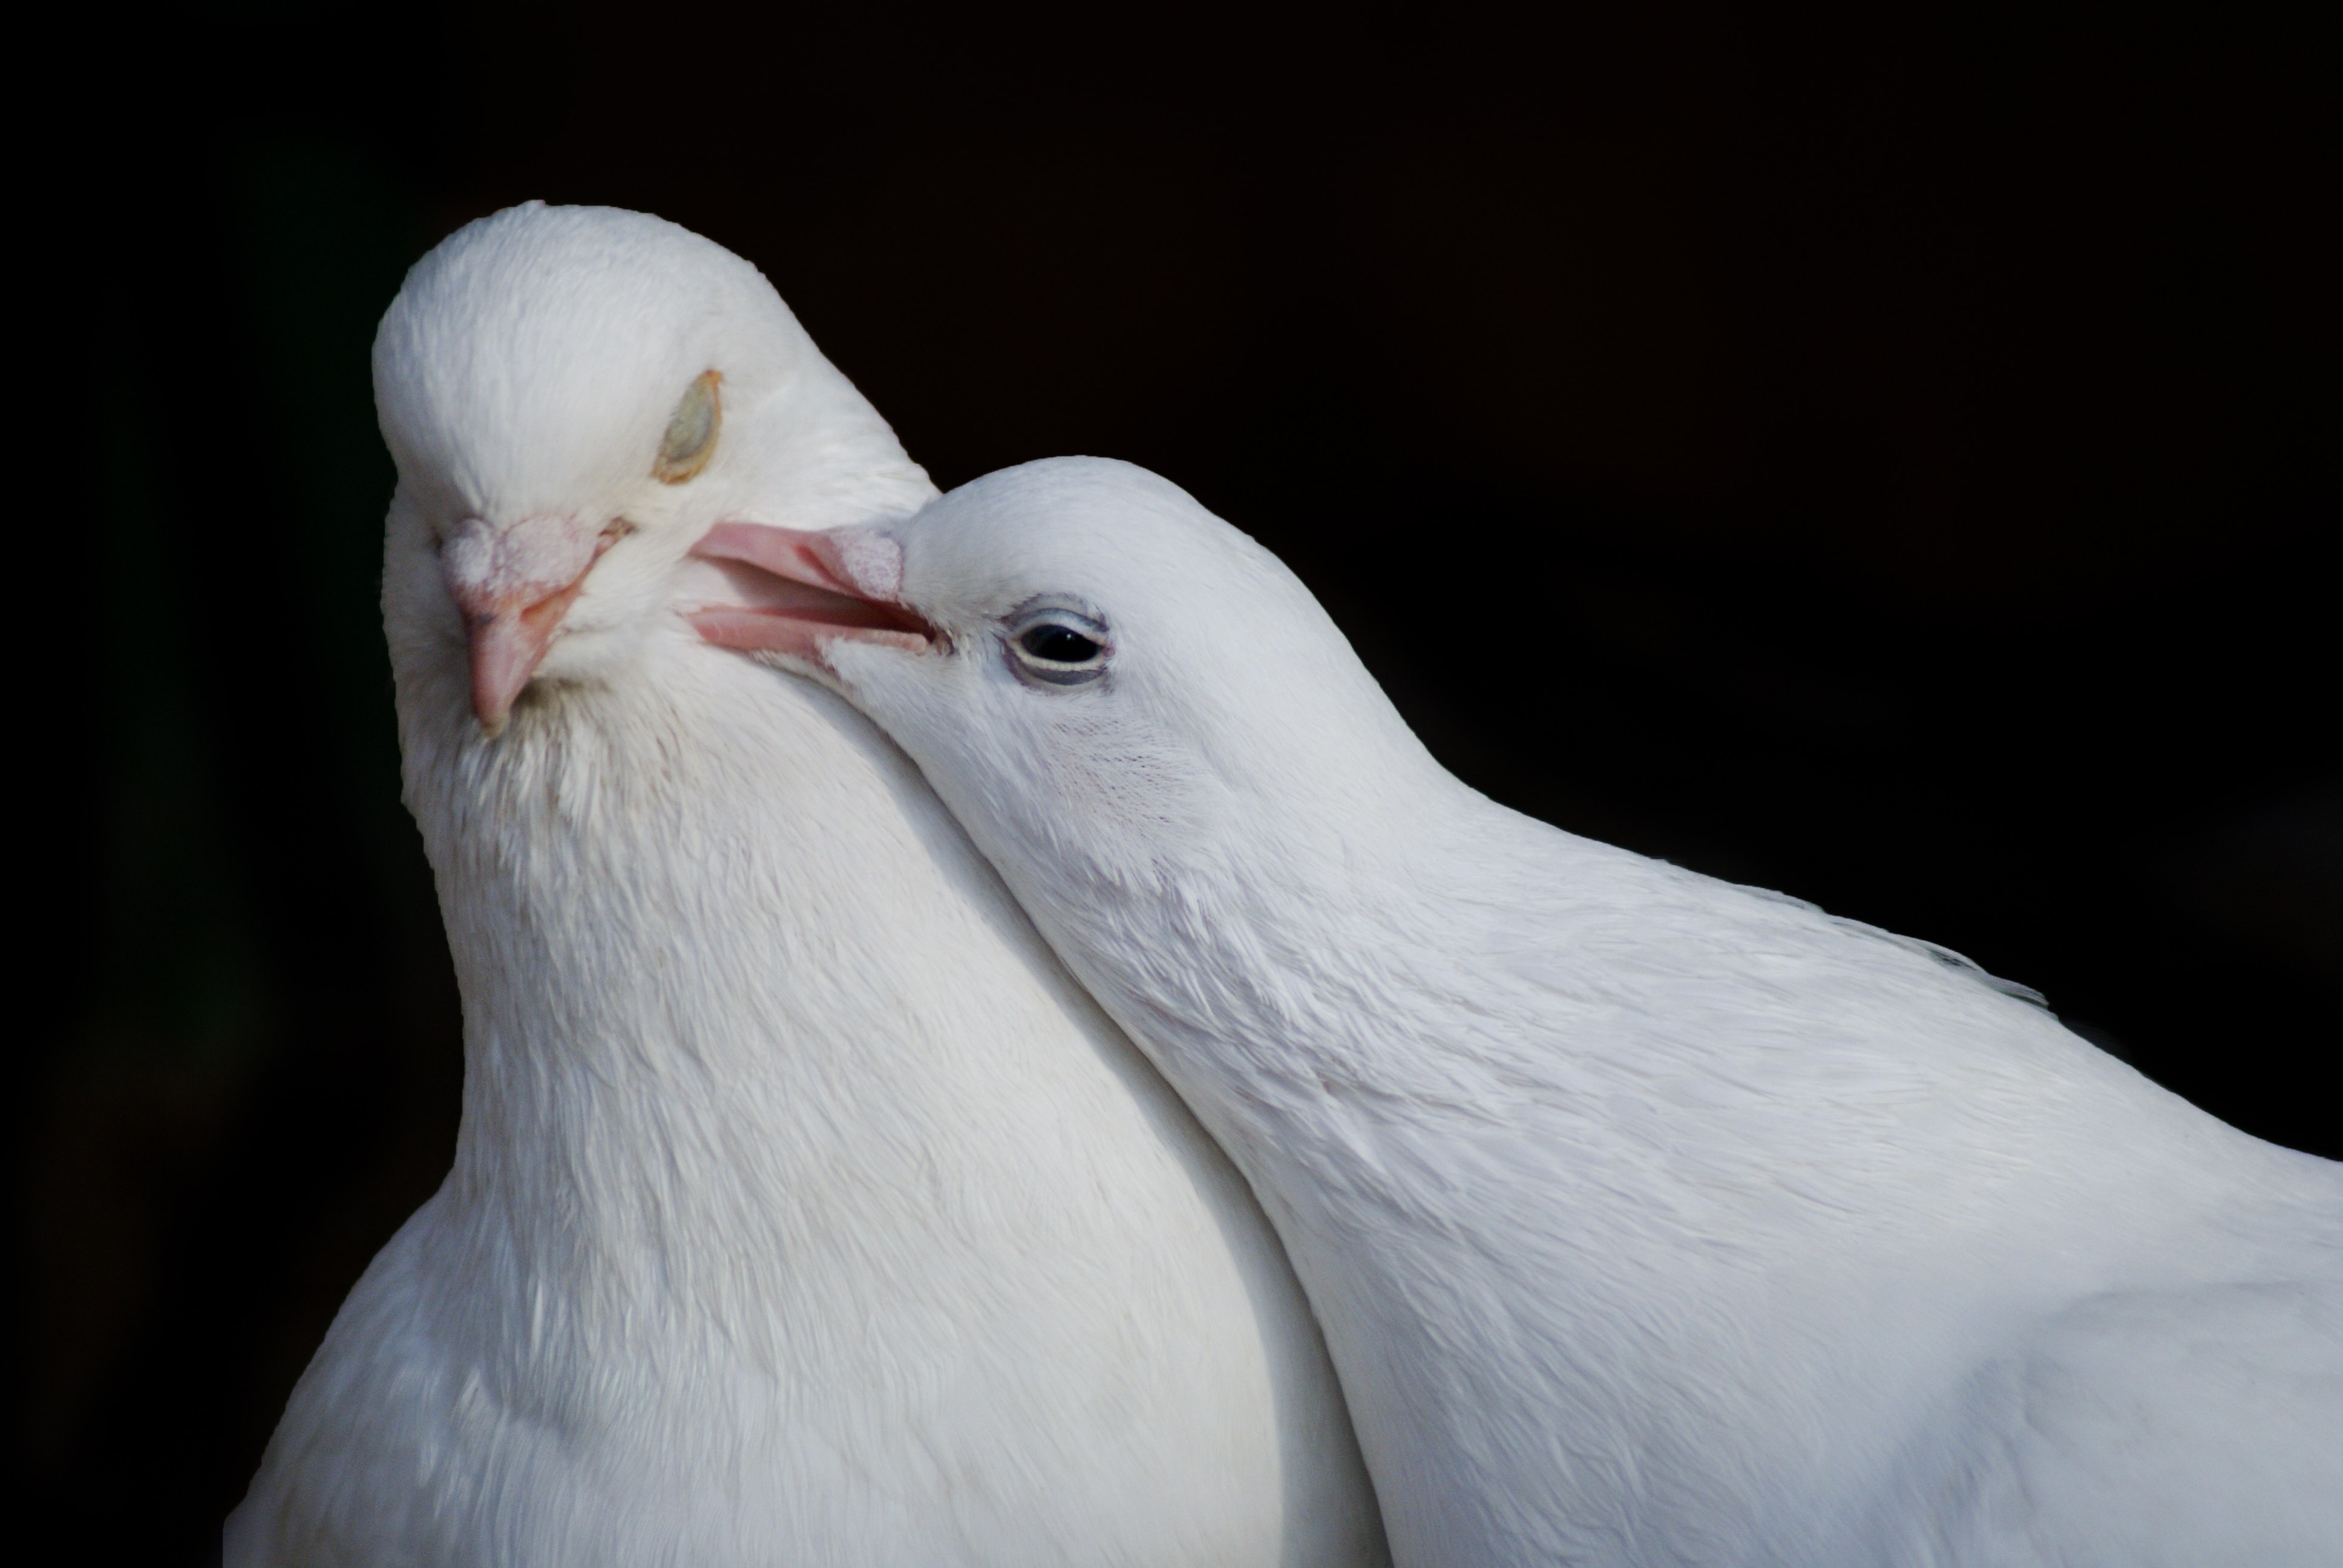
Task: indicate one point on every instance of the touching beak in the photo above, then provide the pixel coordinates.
(513, 585)
(795, 592)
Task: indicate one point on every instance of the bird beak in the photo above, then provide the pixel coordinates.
(513, 585)
(795, 592)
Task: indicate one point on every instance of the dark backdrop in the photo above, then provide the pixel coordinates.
(1891, 463)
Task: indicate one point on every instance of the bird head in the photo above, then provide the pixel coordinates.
(1093, 671)
(573, 398)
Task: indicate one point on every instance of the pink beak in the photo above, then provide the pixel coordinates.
(513, 586)
(800, 591)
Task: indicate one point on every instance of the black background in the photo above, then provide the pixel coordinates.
(1891, 461)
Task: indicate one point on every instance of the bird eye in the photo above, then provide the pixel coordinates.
(1058, 645)
(691, 438)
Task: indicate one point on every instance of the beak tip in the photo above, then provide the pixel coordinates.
(506, 650)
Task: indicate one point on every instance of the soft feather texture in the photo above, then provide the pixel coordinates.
(1650, 1219)
(803, 1210)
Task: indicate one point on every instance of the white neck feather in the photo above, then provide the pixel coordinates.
(681, 1035)
(784, 1136)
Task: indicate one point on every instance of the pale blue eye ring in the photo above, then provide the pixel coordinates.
(1057, 645)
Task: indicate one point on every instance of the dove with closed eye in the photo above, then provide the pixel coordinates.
(803, 1210)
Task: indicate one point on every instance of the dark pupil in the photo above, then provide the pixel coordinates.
(1058, 645)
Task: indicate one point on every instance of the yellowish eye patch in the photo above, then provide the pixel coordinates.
(691, 438)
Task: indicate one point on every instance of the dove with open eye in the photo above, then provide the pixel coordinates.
(1650, 1219)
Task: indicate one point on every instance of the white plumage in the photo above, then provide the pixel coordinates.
(803, 1210)
(1650, 1219)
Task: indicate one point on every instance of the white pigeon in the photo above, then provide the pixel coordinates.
(1650, 1219)
(804, 1210)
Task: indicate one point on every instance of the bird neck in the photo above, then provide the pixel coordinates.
(673, 904)
(1290, 925)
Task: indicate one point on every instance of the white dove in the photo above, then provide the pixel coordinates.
(804, 1210)
(1650, 1219)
